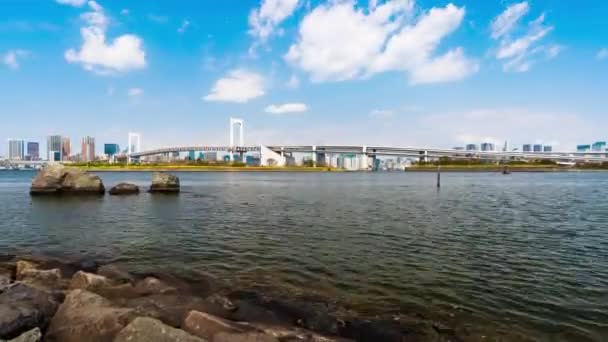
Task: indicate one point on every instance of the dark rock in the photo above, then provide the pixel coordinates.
(115, 273)
(246, 337)
(222, 301)
(34, 335)
(206, 326)
(124, 189)
(23, 308)
(85, 316)
(57, 179)
(148, 329)
(7, 274)
(164, 182)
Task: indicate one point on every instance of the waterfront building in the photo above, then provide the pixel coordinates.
(527, 148)
(87, 150)
(487, 147)
(53, 145)
(583, 148)
(547, 149)
(111, 149)
(537, 148)
(471, 147)
(16, 149)
(33, 150)
(192, 155)
(598, 146)
(66, 148)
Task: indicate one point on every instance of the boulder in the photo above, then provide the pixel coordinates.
(23, 308)
(34, 335)
(246, 337)
(88, 281)
(57, 179)
(29, 274)
(124, 189)
(206, 326)
(164, 182)
(115, 273)
(85, 316)
(147, 329)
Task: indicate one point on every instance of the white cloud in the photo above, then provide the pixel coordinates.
(12, 58)
(504, 23)
(75, 3)
(381, 113)
(602, 54)
(287, 108)
(518, 53)
(123, 54)
(238, 86)
(293, 82)
(339, 41)
(135, 92)
(184, 26)
(264, 21)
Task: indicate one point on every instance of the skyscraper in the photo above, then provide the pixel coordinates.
(111, 149)
(487, 147)
(66, 148)
(527, 148)
(537, 148)
(33, 150)
(16, 149)
(87, 153)
(53, 145)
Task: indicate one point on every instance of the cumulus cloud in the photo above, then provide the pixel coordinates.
(135, 92)
(338, 41)
(287, 108)
(12, 58)
(519, 53)
(75, 3)
(238, 86)
(602, 54)
(263, 21)
(122, 54)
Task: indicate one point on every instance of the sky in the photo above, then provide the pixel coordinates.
(305, 72)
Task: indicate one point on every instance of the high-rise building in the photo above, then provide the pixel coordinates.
(66, 148)
(583, 148)
(537, 148)
(487, 146)
(527, 148)
(547, 148)
(111, 149)
(16, 149)
(53, 145)
(471, 147)
(87, 153)
(33, 150)
(598, 146)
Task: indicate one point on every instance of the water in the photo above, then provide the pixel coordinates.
(512, 257)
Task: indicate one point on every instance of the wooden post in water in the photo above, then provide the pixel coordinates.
(438, 176)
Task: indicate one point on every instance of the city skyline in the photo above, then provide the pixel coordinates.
(516, 71)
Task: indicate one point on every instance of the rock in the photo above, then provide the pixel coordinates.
(284, 333)
(57, 179)
(222, 301)
(151, 285)
(147, 329)
(88, 281)
(34, 335)
(206, 326)
(247, 337)
(23, 308)
(28, 273)
(6, 276)
(115, 273)
(124, 189)
(164, 182)
(85, 316)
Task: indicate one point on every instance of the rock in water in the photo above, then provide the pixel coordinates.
(164, 182)
(149, 329)
(124, 189)
(23, 308)
(57, 179)
(34, 335)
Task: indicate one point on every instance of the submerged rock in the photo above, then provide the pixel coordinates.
(164, 182)
(207, 326)
(124, 189)
(57, 179)
(34, 335)
(149, 329)
(115, 273)
(23, 308)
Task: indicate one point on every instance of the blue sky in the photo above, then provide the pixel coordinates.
(394, 72)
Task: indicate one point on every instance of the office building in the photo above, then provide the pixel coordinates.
(471, 147)
(53, 145)
(583, 148)
(66, 148)
(487, 147)
(599, 146)
(547, 149)
(33, 150)
(87, 153)
(16, 149)
(111, 149)
(192, 155)
(527, 148)
(537, 148)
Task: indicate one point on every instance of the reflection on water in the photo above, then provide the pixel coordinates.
(524, 255)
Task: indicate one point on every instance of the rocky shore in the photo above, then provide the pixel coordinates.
(45, 299)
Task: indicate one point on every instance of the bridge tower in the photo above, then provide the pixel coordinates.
(241, 143)
(134, 145)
